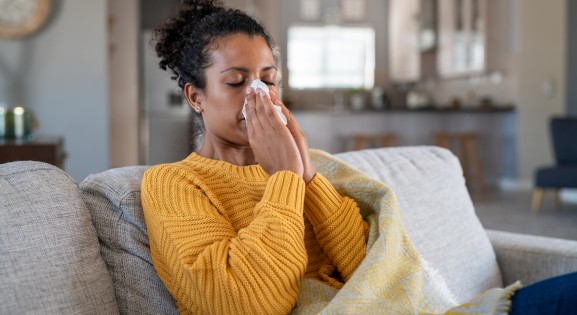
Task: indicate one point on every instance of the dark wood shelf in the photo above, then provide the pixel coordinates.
(48, 149)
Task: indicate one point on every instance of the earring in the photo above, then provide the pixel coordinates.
(197, 109)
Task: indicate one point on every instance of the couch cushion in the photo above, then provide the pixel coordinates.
(113, 198)
(438, 213)
(50, 259)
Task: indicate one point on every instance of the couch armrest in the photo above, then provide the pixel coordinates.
(532, 258)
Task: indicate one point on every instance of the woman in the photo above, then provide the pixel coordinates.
(241, 225)
(246, 217)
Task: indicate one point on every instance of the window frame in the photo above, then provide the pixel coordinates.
(368, 74)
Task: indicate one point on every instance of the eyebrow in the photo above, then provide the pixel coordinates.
(241, 69)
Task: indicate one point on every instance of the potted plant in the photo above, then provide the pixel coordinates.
(357, 99)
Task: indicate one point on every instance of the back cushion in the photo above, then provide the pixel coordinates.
(50, 259)
(113, 198)
(438, 213)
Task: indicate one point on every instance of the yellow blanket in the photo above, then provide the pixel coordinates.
(393, 278)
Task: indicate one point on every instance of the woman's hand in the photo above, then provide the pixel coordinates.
(298, 136)
(273, 145)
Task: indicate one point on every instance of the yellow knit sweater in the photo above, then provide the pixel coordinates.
(227, 239)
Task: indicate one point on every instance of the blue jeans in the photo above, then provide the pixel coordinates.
(556, 295)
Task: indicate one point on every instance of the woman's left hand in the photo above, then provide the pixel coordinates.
(298, 135)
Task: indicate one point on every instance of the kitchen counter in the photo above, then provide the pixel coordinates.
(332, 130)
(430, 109)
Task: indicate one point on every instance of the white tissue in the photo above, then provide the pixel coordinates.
(258, 84)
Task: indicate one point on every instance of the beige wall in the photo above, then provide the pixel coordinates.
(123, 31)
(542, 57)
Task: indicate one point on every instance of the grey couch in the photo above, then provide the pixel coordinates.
(68, 248)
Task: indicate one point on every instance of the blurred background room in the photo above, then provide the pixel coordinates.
(80, 87)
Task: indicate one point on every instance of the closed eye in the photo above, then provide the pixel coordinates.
(235, 84)
(268, 83)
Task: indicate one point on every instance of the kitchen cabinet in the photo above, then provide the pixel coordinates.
(404, 54)
(412, 40)
(452, 34)
(462, 37)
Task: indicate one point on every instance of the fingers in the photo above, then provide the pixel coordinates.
(276, 100)
(269, 110)
(264, 108)
(261, 116)
(273, 145)
(252, 121)
(274, 96)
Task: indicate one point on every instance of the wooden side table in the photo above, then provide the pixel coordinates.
(41, 148)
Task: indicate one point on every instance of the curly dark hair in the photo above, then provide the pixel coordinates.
(186, 41)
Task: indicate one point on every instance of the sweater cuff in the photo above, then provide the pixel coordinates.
(322, 199)
(286, 188)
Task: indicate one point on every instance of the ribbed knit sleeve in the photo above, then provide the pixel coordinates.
(338, 225)
(208, 266)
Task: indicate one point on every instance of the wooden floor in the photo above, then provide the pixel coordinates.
(511, 211)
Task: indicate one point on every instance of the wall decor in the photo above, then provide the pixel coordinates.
(21, 18)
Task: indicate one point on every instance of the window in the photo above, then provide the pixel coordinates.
(331, 57)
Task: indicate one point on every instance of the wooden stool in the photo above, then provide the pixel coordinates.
(468, 155)
(364, 141)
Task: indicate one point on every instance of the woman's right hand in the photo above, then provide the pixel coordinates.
(272, 143)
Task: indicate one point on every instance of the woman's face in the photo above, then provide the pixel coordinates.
(237, 61)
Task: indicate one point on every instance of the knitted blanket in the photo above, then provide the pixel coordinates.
(393, 278)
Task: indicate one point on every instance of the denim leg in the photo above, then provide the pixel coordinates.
(556, 295)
